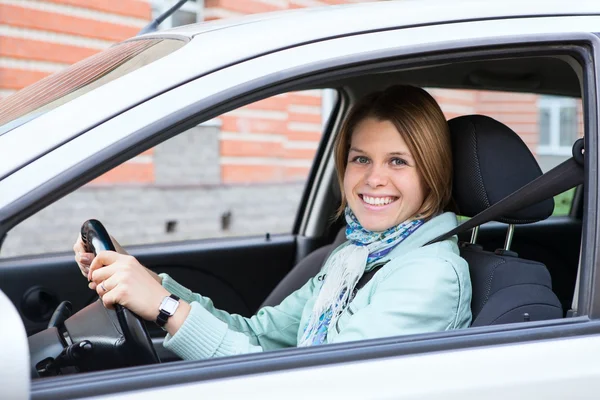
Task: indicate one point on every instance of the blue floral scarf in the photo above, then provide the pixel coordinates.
(344, 270)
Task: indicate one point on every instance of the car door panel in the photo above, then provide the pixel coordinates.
(237, 274)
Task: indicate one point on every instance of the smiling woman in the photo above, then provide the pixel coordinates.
(406, 126)
(394, 164)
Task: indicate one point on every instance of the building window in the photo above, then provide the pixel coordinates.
(558, 125)
(189, 13)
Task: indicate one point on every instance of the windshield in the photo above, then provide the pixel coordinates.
(80, 78)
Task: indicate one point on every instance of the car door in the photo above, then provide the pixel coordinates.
(478, 349)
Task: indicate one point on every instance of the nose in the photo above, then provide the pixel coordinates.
(376, 176)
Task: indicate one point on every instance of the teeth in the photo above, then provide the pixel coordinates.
(378, 201)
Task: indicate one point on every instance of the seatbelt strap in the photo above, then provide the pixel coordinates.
(560, 178)
(367, 277)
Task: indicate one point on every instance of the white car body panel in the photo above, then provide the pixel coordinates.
(84, 146)
(550, 370)
(14, 356)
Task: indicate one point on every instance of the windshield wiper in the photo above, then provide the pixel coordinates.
(151, 27)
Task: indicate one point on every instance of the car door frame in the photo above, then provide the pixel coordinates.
(475, 339)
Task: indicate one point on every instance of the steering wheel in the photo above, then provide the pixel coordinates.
(95, 338)
(136, 342)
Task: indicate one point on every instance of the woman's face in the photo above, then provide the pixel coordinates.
(381, 183)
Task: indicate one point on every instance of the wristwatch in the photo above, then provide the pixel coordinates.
(166, 309)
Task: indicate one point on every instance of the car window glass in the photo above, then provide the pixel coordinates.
(81, 78)
(240, 174)
(563, 203)
(549, 125)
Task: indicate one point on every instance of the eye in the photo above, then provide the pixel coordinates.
(397, 162)
(360, 160)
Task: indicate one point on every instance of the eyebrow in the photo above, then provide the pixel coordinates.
(394, 153)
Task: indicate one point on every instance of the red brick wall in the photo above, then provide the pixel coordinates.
(271, 140)
(42, 37)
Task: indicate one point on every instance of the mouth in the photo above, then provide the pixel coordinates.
(377, 202)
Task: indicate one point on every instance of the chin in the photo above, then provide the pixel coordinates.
(376, 226)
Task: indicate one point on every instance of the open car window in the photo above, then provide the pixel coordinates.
(239, 174)
(80, 78)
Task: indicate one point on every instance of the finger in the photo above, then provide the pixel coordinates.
(84, 269)
(102, 274)
(84, 259)
(76, 244)
(100, 289)
(111, 298)
(103, 258)
(79, 247)
(108, 300)
(106, 286)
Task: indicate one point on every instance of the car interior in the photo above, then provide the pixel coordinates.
(523, 264)
(551, 243)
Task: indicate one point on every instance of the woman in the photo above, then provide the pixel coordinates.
(394, 167)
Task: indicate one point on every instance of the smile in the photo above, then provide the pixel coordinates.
(377, 201)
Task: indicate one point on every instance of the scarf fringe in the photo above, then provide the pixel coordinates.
(346, 268)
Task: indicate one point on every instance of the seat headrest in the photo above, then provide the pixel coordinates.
(490, 162)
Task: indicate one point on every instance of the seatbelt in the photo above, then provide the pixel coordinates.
(367, 277)
(560, 178)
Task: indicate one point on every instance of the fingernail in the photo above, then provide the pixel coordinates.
(85, 258)
(90, 285)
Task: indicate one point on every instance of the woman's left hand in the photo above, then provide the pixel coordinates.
(121, 279)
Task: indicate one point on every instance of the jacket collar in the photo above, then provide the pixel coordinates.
(431, 229)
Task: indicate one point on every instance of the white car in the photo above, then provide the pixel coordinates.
(530, 338)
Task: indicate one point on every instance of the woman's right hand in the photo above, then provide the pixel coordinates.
(84, 259)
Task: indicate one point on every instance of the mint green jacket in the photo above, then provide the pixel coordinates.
(421, 289)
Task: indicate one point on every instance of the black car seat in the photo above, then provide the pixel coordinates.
(490, 162)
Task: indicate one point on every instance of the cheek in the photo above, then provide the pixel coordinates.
(350, 180)
(412, 187)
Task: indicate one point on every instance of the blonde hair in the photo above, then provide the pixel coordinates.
(422, 125)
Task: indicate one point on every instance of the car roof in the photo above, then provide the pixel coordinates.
(355, 18)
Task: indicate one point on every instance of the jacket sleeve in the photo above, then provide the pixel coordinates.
(421, 296)
(210, 332)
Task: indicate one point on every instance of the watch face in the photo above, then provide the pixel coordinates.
(169, 305)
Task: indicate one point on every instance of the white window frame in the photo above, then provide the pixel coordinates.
(554, 104)
(160, 6)
(328, 99)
